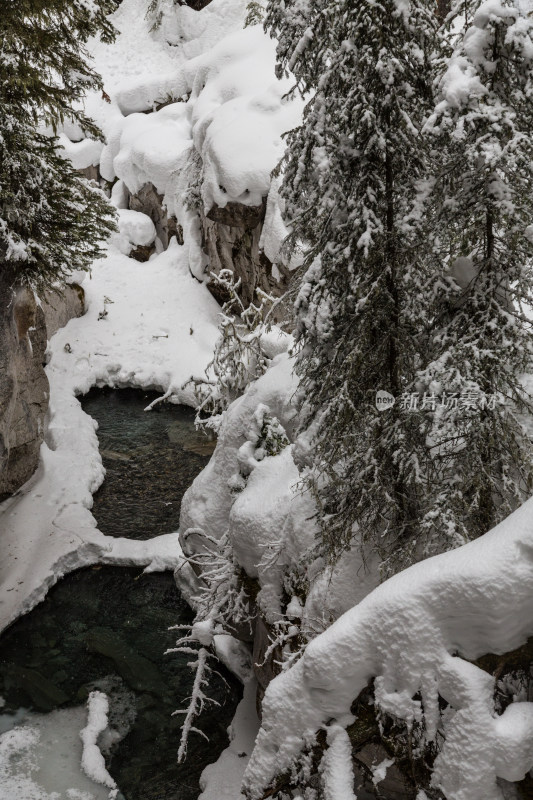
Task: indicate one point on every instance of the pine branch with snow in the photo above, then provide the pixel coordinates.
(481, 204)
(198, 698)
(221, 604)
(51, 220)
(350, 183)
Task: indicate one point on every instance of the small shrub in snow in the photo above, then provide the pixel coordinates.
(255, 13)
(239, 357)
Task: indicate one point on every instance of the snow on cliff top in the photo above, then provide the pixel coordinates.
(227, 101)
(412, 634)
(229, 104)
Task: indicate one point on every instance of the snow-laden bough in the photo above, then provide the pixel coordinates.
(415, 636)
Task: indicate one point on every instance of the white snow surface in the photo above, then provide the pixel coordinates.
(336, 766)
(238, 116)
(82, 154)
(222, 780)
(229, 105)
(270, 519)
(40, 756)
(413, 634)
(47, 527)
(138, 227)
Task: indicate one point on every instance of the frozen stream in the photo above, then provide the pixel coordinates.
(106, 627)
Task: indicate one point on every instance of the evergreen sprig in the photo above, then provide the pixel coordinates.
(52, 221)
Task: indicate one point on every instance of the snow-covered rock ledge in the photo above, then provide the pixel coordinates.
(160, 327)
(415, 635)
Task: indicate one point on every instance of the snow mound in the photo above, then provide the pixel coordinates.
(239, 116)
(413, 634)
(150, 146)
(252, 495)
(222, 780)
(82, 154)
(259, 500)
(234, 113)
(135, 227)
(92, 760)
(196, 32)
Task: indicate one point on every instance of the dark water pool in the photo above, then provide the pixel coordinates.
(151, 458)
(107, 627)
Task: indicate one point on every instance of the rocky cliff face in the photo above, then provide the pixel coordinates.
(150, 202)
(59, 307)
(231, 237)
(25, 327)
(23, 387)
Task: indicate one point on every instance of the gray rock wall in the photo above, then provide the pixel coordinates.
(25, 327)
(148, 201)
(60, 307)
(231, 238)
(23, 387)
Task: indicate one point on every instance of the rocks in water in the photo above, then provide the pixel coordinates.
(44, 694)
(150, 460)
(111, 627)
(138, 672)
(113, 455)
(190, 440)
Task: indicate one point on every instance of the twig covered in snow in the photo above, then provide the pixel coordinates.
(239, 357)
(220, 603)
(198, 699)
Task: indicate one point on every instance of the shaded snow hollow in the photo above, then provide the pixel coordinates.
(412, 634)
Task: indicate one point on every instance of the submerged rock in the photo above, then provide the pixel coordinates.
(44, 694)
(138, 672)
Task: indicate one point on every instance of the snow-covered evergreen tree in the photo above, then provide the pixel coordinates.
(51, 220)
(482, 199)
(349, 184)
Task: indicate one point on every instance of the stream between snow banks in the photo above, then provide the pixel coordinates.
(107, 628)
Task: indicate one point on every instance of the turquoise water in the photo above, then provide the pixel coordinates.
(151, 458)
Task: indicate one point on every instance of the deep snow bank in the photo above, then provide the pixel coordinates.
(412, 634)
(218, 115)
(258, 499)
